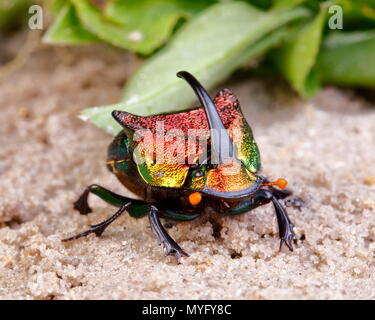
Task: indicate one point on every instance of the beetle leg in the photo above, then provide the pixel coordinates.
(262, 197)
(108, 196)
(99, 228)
(170, 246)
(285, 225)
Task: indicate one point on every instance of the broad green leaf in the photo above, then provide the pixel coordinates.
(348, 58)
(211, 46)
(297, 57)
(141, 26)
(67, 29)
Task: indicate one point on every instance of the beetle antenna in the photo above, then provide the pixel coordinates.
(222, 144)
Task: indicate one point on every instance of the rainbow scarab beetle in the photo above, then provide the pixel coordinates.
(183, 191)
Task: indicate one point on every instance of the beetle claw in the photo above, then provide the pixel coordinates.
(81, 204)
(174, 250)
(287, 236)
(84, 210)
(288, 241)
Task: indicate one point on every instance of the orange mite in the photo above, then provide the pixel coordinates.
(195, 198)
(281, 183)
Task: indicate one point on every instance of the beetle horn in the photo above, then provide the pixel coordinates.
(221, 143)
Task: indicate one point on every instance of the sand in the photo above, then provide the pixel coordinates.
(325, 147)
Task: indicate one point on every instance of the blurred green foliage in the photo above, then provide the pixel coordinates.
(140, 26)
(13, 13)
(212, 39)
(347, 58)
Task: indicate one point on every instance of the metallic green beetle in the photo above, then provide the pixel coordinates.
(219, 172)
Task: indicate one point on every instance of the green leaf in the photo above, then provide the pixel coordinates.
(141, 26)
(297, 57)
(211, 46)
(348, 58)
(67, 29)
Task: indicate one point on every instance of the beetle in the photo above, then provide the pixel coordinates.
(183, 191)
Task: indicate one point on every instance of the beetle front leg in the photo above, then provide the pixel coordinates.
(170, 246)
(262, 197)
(285, 225)
(99, 228)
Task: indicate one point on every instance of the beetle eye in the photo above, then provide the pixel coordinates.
(198, 174)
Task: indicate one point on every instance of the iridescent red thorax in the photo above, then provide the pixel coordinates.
(188, 134)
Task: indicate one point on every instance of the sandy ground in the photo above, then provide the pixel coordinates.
(324, 147)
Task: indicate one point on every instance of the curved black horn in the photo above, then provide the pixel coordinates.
(223, 147)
